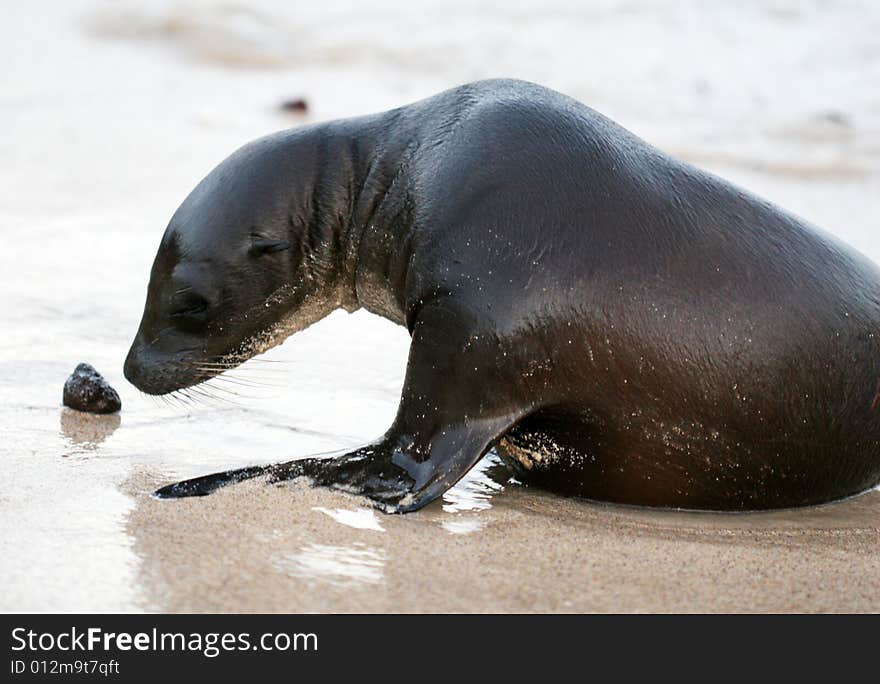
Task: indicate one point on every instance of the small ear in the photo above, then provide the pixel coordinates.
(261, 246)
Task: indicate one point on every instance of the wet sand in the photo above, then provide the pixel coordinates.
(294, 548)
(117, 111)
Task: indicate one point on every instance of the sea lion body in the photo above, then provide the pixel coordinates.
(618, 324)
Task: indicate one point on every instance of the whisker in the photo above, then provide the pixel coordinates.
(241, 360)
(228, 375)
(241, 381)
(232, 377)
(230, 393)
(243, 357)
(203, 394)
(183, 399)
(210, 396)
(187, 396)
(279, 361)
(225, 390)
(153, 397)
(218, 373)
(244, 382)
(200, 390)
(244, 368)
(178, 397)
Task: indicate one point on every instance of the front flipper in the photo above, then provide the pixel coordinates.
(207, 484)
(453, 451)
(403, 472)
(362, 471)
(458, 399)
(386, 472)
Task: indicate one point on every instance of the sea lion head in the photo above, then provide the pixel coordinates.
(244, 262)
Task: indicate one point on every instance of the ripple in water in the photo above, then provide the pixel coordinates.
(463, 526)
(360, 519)
(475, 490)
(339, 565)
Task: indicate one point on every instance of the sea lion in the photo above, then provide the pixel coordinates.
(617, 324)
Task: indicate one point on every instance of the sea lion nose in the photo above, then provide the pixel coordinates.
(132, 368)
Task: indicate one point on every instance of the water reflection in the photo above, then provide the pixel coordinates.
(463, 525)
(475, 490)
(360, 519)
(88, 429)
(340, 565)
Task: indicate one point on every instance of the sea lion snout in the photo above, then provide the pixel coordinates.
(156, 373)
(133, 369)
(173, 337)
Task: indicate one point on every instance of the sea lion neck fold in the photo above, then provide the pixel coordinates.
(353, 216)
(382, 218)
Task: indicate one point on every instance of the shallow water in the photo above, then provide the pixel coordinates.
(113, 115)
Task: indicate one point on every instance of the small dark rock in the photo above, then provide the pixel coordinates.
(298, 105)
(87, 390)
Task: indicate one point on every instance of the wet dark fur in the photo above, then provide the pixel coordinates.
(618, 324)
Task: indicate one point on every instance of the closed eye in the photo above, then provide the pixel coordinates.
(261, 245)
(192, 306)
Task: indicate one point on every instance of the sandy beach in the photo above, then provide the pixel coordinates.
(113, 111)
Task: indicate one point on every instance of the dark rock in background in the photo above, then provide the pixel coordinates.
(298, 105)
